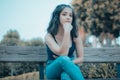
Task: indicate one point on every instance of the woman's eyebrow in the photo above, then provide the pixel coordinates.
(67, 12)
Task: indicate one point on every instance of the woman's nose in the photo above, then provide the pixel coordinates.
(68, 17)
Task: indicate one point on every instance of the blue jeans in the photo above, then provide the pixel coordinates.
(63, 68)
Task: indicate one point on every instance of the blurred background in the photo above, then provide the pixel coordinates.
(24, 23)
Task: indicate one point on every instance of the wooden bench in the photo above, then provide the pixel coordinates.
(38, 54)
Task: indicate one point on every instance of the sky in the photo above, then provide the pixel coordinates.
(29, 17)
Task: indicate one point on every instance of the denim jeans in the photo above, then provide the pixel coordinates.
(63, 68)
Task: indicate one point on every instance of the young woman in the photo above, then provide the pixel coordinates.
(62, 39)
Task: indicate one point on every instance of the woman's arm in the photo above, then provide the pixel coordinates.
(79, 50)
(64, 47)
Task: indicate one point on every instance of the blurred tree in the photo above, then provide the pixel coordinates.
(36, 42)
(100, 18)
(12, 38)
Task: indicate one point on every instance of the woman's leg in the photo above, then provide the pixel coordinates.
(65, 76)
(53, 70)
(63, 63)
(70, 68)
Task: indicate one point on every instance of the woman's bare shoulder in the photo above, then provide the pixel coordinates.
(47, 34)
(48, 37)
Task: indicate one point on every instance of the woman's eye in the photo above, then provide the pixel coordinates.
(70, 15)
(64, 14)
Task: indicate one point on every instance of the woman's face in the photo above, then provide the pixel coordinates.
(66, 16)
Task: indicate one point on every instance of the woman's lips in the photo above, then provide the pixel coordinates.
(68, 21)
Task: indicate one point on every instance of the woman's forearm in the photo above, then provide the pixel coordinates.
(64, 48)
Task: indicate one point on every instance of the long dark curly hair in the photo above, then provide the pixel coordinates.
(55, 21)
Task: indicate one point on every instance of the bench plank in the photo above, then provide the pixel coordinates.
(38, 54)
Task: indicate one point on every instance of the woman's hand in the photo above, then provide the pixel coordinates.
(55, 56)
(67, 27)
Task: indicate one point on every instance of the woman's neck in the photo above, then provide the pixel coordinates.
(59, 35)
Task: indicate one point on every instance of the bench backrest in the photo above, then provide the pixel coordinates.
(38, 54)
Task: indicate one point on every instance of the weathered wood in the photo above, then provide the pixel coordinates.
(38, 54)
(24, 54)
(105, 54)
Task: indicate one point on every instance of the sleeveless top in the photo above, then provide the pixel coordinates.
(51, 53)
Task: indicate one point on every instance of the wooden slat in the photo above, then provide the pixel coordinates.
(38, 54)
(24, 54)
(107, 54)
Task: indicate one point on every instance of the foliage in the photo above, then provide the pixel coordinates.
(98, 16)
(99, 70)
(12, 38)
(36, 42)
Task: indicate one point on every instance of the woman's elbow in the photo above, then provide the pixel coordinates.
(61, 51)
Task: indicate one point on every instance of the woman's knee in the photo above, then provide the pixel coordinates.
(64, 59)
